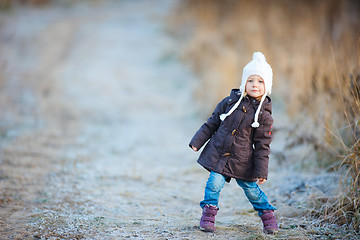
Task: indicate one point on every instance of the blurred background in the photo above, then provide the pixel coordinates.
(177, 59)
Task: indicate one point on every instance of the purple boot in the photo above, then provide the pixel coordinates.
(207, 221)
(269, 220)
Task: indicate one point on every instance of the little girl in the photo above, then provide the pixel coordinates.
(240, 134)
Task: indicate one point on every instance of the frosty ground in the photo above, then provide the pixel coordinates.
(96, 115)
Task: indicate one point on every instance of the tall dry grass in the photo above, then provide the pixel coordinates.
(314, 49)
(344, 208)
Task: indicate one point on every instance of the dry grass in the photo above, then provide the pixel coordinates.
(344, 209)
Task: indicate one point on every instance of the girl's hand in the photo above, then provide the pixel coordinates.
(261, 180)
(194, 148)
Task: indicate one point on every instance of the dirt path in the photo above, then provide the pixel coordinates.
(96, 117)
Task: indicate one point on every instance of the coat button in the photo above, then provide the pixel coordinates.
(230, 100)
(244, 109)
(226, 154)
(233, 132)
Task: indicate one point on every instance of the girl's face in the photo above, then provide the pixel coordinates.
(255, 86)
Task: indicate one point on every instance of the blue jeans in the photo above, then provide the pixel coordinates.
(252, 191)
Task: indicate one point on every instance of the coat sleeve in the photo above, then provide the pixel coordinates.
(262, 139)
(210, 127)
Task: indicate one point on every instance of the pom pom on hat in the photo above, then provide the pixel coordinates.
(259, 56)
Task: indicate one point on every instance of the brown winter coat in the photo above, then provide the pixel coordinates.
(236, 149)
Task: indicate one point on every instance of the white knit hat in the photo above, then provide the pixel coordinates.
(258, 66)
